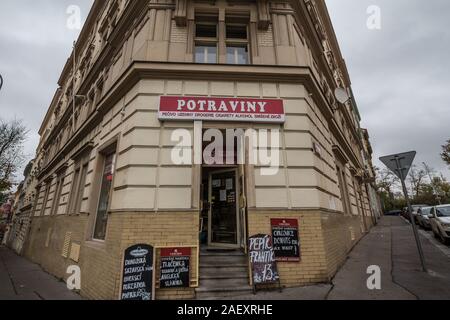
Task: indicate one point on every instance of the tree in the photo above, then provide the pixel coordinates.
(387, 184)
(12, 137)
(416, 178)
(446, 152)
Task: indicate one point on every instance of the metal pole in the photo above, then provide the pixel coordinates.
(413, 223)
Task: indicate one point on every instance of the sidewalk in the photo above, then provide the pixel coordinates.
(23, 280)
(391, 246)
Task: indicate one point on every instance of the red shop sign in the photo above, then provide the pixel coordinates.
(176, 252)
(221, 109)
(286, 240)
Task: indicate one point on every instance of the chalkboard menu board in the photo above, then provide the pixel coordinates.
(286, 240)
(262, 259)
(175, 268)
(138, 273)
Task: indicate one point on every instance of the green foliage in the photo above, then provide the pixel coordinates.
(446, 152)
(424, 185)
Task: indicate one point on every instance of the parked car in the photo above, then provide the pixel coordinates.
(423, 217)
(440, 222)
(393, 213)
(415, 209)
(405, 213)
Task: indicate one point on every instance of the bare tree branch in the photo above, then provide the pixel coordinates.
(12, 137)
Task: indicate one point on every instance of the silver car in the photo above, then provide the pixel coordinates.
(423, 217)
(415, 209)
(440, 222)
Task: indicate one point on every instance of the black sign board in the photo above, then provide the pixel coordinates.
(175, 268)
(286, 240)
(138, 273)
(262, 259)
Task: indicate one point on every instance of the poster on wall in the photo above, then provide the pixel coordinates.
(138, 273)
(175, 268)
(262, 260)
(286, 242)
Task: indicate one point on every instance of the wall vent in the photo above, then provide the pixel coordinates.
(67, 240)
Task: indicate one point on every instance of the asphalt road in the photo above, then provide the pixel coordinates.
(391, 247)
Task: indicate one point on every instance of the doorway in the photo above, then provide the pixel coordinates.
(222, 222)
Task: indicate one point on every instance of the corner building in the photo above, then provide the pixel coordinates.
(104, 170)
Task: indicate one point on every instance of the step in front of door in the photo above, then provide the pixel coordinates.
(223, 275)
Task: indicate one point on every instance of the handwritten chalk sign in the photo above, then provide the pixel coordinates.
(138, 273)
(262, 259)
(175, 268)
(286, 240)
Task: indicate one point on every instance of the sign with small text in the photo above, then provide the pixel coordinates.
(175, 268)
(262, 260)
(286, 240)
(221, 109)
(138, 273)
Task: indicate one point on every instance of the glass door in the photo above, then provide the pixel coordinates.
(224, 229)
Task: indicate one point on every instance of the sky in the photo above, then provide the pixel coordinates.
(400, 73)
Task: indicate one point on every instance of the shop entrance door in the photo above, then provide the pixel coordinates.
(223, 220)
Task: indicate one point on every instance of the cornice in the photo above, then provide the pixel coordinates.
(133, 13)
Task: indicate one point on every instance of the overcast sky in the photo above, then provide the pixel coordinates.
(400, 74)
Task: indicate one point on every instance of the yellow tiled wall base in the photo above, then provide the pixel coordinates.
(341, 233)
(325, 240)
(313, 265)
(100, 263)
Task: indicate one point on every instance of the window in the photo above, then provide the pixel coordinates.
(206, 43)
(36, 199)
(48, 186)
(206, 31)
(58, 190)
(237, 55)
(221, 45)
(105, 192)
(78, 184)
(73, 196)
(237, 44)
(343, 188)
(205, 54)
(80, 191)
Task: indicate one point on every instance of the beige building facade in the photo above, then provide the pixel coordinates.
(106, 178)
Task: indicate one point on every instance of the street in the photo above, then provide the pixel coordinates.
(22, 280)
(390, 245)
